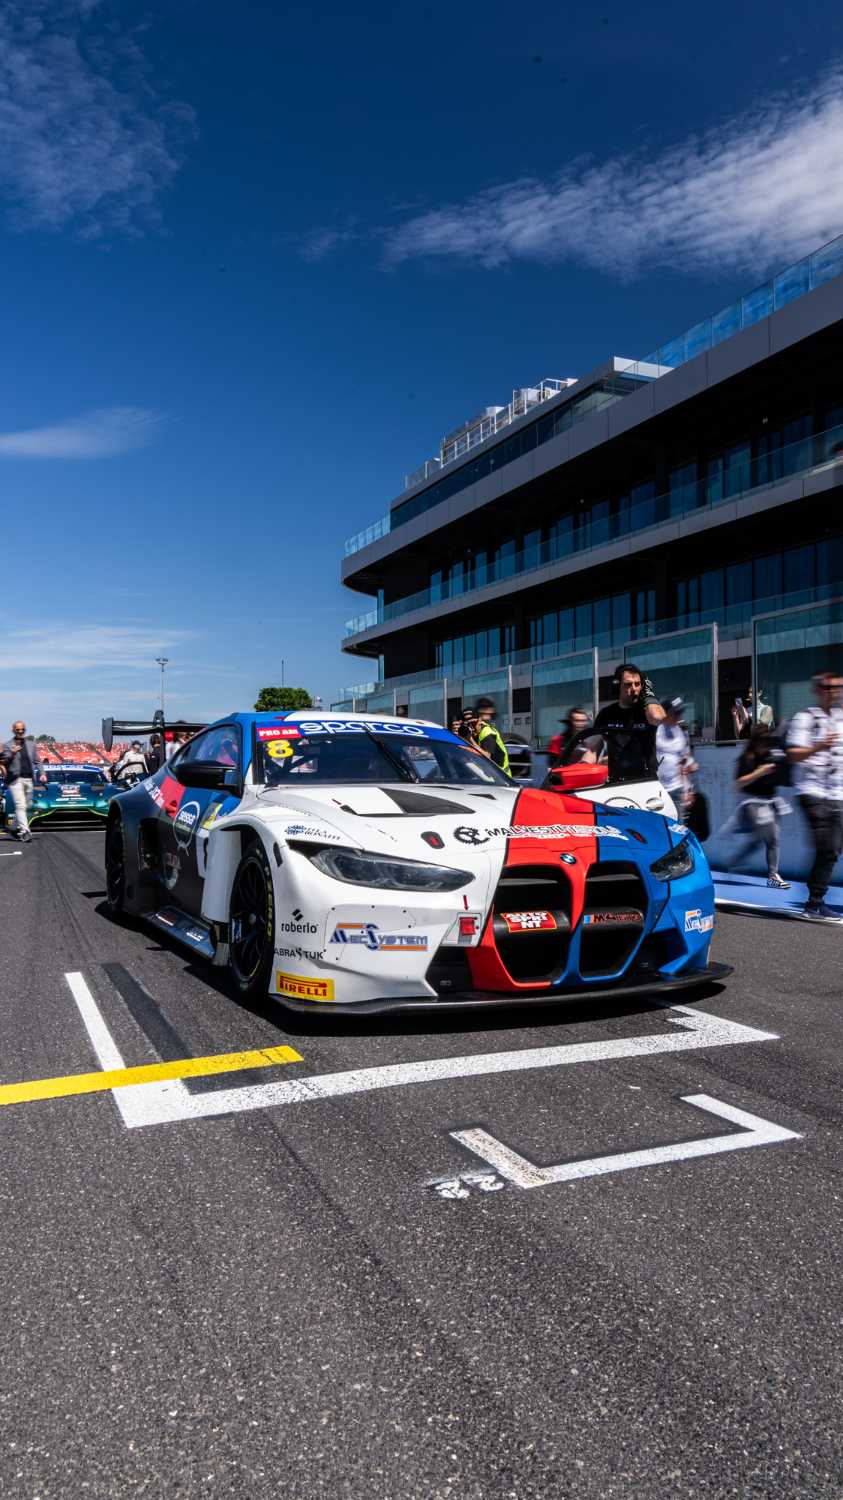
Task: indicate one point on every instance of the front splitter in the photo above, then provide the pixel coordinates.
(652, 988)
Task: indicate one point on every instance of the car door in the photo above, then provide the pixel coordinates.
(187, 818)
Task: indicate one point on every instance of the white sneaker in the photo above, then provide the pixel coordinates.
(777, 884)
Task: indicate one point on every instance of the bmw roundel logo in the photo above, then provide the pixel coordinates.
(568, 859)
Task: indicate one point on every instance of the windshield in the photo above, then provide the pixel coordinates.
(76, 778)
(364, 757)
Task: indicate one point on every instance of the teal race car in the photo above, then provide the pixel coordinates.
(74, 796)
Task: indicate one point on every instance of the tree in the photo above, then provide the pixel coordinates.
(270, 698)
(45, 739)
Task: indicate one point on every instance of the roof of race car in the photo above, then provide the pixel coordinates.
(396, 722)
(71, 765)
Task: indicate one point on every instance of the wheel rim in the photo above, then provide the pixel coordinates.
(114, 865)
(249, 931)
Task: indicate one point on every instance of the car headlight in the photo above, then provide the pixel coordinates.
(677, 862)
(356, 867)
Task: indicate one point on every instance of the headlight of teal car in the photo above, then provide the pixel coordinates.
(387, 872)
(677, 862)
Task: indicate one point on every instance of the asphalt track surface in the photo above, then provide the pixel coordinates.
(275, 1301)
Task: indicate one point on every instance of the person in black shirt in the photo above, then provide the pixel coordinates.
(758, 776)
(628, 727)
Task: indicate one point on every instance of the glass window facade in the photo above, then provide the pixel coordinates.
(789, 649)
(736, 592)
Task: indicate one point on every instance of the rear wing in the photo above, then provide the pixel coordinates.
(134, 729)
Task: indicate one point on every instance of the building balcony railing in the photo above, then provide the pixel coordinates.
(370, 534)
(732, 480)
(795, 281)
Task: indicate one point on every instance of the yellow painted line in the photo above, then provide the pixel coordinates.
(118, 1078)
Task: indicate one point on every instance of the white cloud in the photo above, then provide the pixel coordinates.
(73, 648)
(100, 434)
(84, 141)
(764, 187)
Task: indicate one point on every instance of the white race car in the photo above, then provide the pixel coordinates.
(363, 864)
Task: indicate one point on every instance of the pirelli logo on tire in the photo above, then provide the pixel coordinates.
(303, 989)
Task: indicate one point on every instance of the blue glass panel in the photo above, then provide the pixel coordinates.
(698, 339)
(673, 352)
(714, 480)
(725, 323)
(827, 262)
(792, 283)
(756, 305)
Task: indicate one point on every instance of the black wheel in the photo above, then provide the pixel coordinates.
(251, 923)
(115, 867)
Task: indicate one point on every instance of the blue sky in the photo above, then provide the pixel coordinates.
(257, 260)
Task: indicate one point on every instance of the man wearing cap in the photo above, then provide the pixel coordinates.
(673, 750)
(132, 765)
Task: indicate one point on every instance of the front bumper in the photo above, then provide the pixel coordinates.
(654, 987)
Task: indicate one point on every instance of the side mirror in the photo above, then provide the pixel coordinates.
(207, 775)
(577, 778)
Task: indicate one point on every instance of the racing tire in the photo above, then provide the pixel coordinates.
(251, 924)
(115, 867)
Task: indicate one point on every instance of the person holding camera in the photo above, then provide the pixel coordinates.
(628, 727)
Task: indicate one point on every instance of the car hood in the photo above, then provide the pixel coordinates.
(447, 824)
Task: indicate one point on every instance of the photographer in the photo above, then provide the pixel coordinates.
(628, 727)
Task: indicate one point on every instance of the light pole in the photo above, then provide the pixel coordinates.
(162, 662)
(282, 671)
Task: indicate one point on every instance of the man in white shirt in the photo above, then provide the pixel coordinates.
(815, 750)
(673, 751)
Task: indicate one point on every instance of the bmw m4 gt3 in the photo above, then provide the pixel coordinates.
(362, 864)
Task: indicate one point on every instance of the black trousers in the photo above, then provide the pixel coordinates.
(825, 821)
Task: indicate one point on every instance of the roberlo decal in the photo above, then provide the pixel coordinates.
(298, 924)
(368, 935)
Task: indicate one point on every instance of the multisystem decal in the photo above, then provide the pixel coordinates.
(369, 935)
(697, 921)
(184, 823)
(467, 835)
(303, 989)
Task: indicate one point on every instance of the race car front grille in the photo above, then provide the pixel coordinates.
(532, 953)
(66, 817)
(614, 915)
